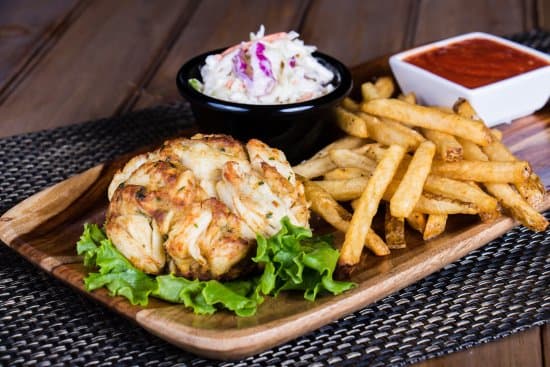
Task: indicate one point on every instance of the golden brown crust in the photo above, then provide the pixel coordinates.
(192, 206)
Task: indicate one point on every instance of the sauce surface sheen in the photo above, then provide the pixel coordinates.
(476, 62)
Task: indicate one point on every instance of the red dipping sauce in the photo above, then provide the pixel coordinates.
(476, 62)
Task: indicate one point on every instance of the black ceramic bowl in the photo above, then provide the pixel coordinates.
(296, 128)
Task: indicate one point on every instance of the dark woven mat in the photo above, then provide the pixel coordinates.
(493, 292)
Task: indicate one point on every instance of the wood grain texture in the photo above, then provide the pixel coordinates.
(441, 19)
(228, 23)
(96, 64)
(32, 226)
(349, 34)
(515, 350)
(24, 26)
(223, 335)
(473, 15)
(447, 18)
(543, 14)
(45, 228)
(545, 344)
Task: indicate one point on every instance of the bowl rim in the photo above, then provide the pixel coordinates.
(488, 100)
(399, 58)
(192, 95)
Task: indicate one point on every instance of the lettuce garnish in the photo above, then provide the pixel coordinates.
(294, 260)
(195, 84)
(291, 260)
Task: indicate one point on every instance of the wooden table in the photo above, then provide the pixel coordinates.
(64, 61)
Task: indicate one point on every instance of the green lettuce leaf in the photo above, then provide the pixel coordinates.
(294, 260)
(291, 260)
(121, 278)
(195, 84)
(88, 243)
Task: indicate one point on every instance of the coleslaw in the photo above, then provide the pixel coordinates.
(269, 69)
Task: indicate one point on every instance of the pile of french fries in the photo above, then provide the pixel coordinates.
(425, 163)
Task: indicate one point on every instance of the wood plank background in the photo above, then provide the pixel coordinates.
(65, 61)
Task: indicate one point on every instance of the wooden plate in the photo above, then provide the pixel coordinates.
(45, 227)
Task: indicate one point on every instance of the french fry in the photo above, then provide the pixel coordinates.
(448, 148)
(350, 105)
(409, 98)
(405, 130)
(497, 134)
(348, 158)
(369, 91)
(470, 150)
(350, 123)
(392, 188)
(417, 221)
(465, 109)
(386, 134)
(344, 190)
(374, 151)
(429, 204)
(384, 86)
(506, 195)
(483, 171)
(324, 205)
(404, 200)
(518, 207)
(368, 205)
(462, 191)
(532, 189)
(415, 187)
(444, 109)
(496, 151)
(314, 167)
(345, 173)
(429, 118)
(347, 142)
(376, 244)
(435, 225)
(395, 230)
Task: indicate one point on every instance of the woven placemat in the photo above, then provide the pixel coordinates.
(493, 292)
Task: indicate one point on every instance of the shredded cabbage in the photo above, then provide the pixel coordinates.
(269, 69)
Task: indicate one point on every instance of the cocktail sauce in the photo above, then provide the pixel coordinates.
(476, 62)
